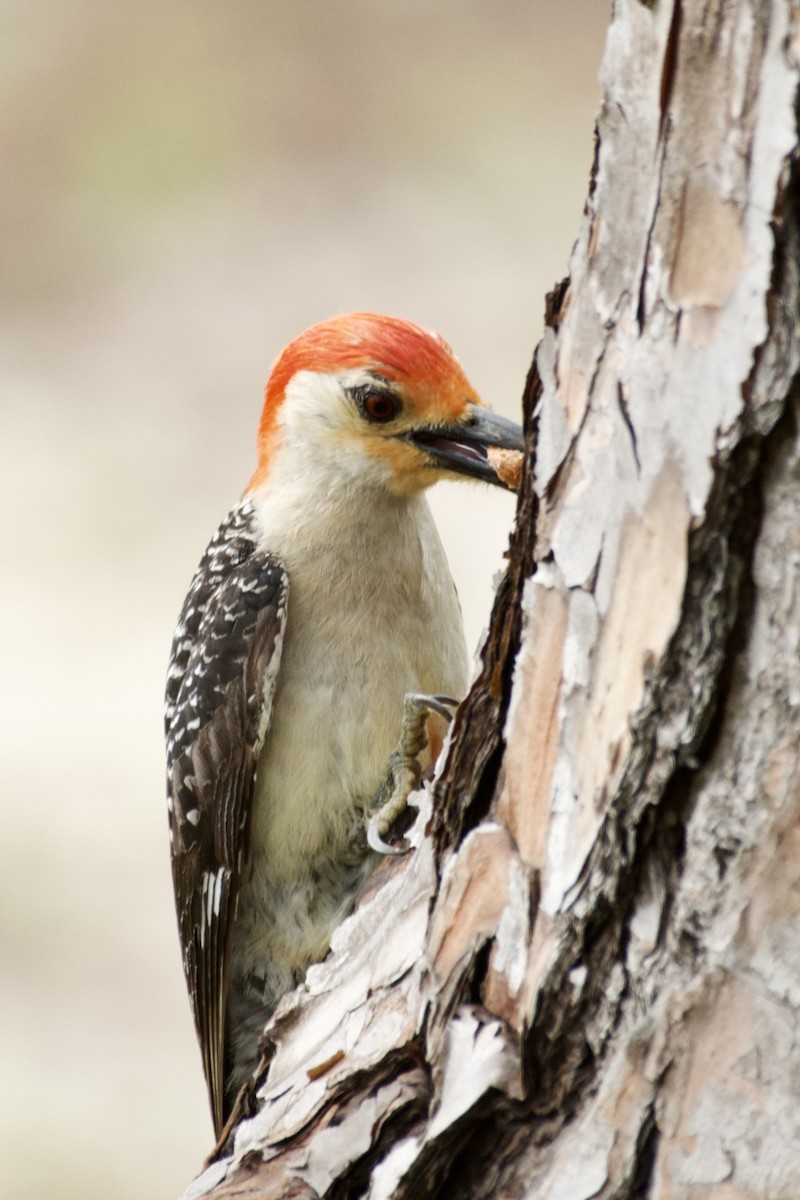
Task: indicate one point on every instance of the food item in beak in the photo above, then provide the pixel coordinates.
(508, 466)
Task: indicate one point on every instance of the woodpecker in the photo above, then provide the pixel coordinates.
(316, 646)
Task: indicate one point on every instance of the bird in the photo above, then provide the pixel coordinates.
(317, 656)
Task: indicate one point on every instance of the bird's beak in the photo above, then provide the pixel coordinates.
(462, 446)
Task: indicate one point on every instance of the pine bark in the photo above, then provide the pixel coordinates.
(585, 980)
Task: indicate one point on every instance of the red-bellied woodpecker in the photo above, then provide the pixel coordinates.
(320, 627)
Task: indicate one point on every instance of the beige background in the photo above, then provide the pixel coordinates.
(186, 185)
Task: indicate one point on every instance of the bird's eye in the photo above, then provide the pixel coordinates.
(379, 406)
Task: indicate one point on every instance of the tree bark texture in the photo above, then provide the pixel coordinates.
(585, 981)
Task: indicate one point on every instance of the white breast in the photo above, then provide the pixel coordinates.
(371, 617)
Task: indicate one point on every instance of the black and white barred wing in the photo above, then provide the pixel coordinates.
(219, 698)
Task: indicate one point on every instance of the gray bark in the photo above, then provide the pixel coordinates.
(585, 981)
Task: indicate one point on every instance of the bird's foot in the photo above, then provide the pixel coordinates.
(405, 769)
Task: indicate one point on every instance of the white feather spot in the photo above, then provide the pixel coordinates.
(212, 898)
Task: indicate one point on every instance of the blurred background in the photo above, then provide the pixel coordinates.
(186, 185)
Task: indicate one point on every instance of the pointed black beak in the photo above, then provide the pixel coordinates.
(462, 447)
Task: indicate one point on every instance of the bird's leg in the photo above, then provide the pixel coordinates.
(405, 769)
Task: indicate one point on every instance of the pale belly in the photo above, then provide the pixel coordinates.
(350, 657)
(324, 761)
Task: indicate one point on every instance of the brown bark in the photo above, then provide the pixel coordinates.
(585, 981)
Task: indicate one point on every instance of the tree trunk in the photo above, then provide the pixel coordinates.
(585, 981)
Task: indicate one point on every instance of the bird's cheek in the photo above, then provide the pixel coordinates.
(408, 468)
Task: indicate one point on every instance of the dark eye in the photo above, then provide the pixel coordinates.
(379, 406)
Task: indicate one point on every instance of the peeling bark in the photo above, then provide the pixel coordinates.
(585, 981)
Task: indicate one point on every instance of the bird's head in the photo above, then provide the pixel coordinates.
(376, 399)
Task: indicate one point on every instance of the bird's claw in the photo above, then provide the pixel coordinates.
(445, 706)
(376, 842)
(405, 772)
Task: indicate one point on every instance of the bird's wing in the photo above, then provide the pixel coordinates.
(220, 686)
